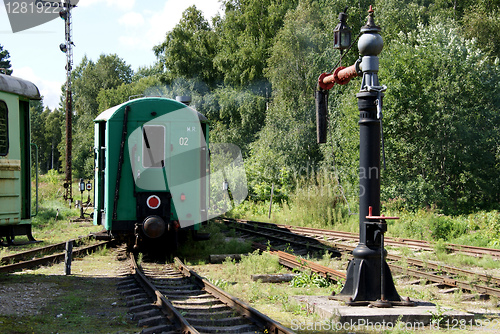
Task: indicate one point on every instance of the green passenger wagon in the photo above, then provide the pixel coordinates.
(151, 162)
(15, 157)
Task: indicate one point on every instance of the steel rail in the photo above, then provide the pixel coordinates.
(35, 251)
(423, 244)
(303, 241)
(338, 236)
(485, 278)
(342, 235)
(261, 319)
(478, 251)
(162, 302)
(293, 261)
(445, 268)
(49, 258)
(431, 265)
(448, 281)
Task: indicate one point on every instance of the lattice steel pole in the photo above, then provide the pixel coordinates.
(67, 48)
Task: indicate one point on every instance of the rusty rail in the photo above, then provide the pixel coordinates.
(167, 308)
(491, 291)
(401, 242)
(49, 259)
(39, 250)
(292, 261)
(264, 321)
(484, 279)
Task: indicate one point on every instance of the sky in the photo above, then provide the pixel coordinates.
(128, 28)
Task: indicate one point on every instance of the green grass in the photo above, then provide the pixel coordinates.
(273, 299)
(199, 251)
(52, 224)
(66, 304)
(319, 202)
(63, 304)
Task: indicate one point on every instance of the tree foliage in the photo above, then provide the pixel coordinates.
(5, 64)
(46, 133)
(483, 24)
(236, 115)
(111, 97)
(189, 49)
(253, 72)
(443, 117)
(245, 36)
(89, 79)
(286, 144)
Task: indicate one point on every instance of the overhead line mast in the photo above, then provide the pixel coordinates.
(67, 47)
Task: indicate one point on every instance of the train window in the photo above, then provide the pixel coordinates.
(153, 146)
(4, 129)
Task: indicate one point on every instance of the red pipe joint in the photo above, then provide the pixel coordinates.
(341, 76)
(325, 81)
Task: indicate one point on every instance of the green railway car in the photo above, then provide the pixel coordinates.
(15, 157)
(151, 163)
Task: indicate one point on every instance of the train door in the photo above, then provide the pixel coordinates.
(24, 135)
(100, 164)
(9, 165)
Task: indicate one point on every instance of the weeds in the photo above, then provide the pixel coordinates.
(139, 259)
(399, 327)
(257, 263)
(217, 244)
(306, 279)
(318, 201)
(221, 283)
(339, 285)
(438, 317)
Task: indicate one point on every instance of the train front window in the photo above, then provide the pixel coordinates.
(4, 129)
(153, 146)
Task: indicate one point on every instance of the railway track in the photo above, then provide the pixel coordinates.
(172, 298)
(47, 255)
(340, 236)
(437, 273)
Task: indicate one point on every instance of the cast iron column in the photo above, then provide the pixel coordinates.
(363, 282)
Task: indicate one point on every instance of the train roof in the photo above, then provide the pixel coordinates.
(19, 86)
(117, 111)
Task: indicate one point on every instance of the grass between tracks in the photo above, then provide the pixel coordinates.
(319, 202)
(277, 299)
(274, 300)
(476, 229)
(53, 223)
